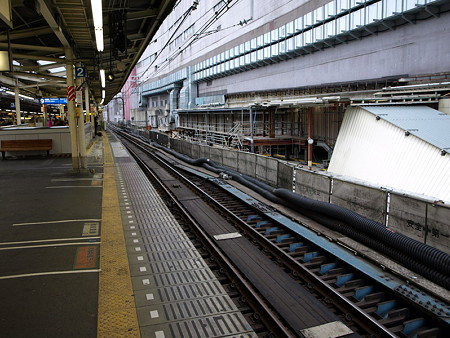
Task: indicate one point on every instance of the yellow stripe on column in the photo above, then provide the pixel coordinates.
(116, 307)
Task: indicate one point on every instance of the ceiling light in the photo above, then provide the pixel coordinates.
(97, 16)
(111, 77)
(99, 39)
(102, 78)
(103, 94)
(97, 13)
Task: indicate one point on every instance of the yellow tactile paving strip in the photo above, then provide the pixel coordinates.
(116, 307)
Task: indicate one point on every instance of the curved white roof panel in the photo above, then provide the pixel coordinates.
(424, 122)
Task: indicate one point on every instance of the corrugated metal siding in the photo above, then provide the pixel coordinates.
(379, 152)
(429, 124)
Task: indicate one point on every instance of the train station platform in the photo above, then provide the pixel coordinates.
(91, 254)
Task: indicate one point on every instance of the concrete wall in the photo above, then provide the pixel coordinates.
(422, 220)
(311, 184)
(60, 137)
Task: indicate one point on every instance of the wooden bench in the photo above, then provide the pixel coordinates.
(25, 145)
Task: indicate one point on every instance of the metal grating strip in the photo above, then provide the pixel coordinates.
(176, 293)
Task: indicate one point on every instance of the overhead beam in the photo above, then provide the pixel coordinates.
(32, 47)
(26, 33)
(139, 15)
(48, 16)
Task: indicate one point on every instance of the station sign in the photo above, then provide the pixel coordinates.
(80, 72)
(54, 100)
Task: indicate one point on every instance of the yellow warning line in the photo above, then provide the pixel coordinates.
(116, 307)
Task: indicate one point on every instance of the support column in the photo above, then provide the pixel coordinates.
(17, 103)
(86, 103)
(80, 130)
(71, 109)
(310, 138)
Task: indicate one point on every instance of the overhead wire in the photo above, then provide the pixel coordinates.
(201, 30)
(184, 17)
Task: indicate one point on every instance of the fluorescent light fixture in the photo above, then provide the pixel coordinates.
(99, 39)
(97, 13)
(97, 16)
(57, 69)
(20, 95)
(45, 62)
(103, 94)
(102, 78)
(102, 101)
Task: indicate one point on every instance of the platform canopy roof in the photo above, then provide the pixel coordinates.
(36, 33)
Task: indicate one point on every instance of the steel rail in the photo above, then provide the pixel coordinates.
(245, 288)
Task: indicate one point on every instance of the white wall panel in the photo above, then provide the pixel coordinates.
(378, 152)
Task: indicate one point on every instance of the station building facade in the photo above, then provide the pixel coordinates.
(276, 77)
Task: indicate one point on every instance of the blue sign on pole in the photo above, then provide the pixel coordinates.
(54, 100)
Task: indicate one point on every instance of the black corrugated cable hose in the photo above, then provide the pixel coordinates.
(438, 260)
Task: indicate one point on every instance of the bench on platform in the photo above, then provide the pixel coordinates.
(25, 145)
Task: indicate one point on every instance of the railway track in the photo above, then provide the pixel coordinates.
(364, 297)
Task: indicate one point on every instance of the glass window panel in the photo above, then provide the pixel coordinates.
(260, 41)
(227, 54)
(242, 60)
(242, 48)
(236, 63)
(299, 41)
(282, 32)
(274, 49)
(342, 5)
(329, 9)
(353, 3)
(247, 46)
(260, 54)
(409, 4)
(373, 12)
(329, 29)
(267, 52)
(274, 35)
(390, 7)
(282, 47)
(253, 44)
(342, 24)
(319, 14)
(309, 19)
(318, 33)
(254, 57)
(298, 24)
(309, 36)
(357, 19)
(266, 38)
(247, 59)
(290, 28)
(236, 51)
(290, 44)
(227, 65)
